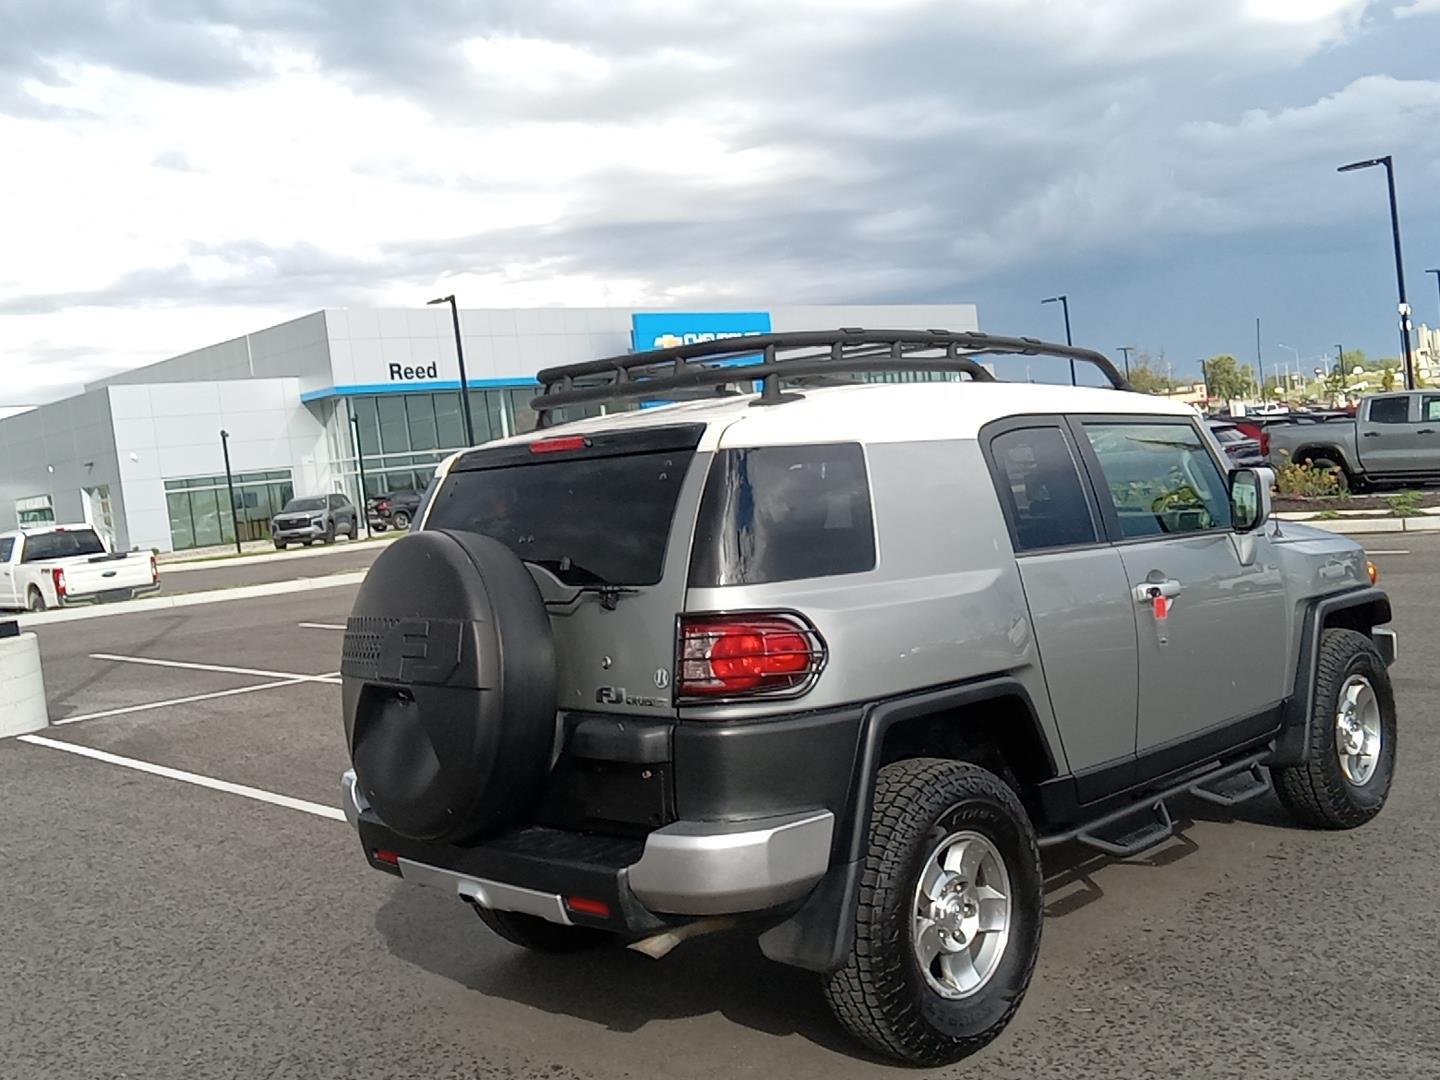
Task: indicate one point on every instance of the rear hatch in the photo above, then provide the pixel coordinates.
(603, 521)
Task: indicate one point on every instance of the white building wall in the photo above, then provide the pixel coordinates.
(168, 431)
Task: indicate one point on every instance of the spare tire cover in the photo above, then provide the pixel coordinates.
(448, 675)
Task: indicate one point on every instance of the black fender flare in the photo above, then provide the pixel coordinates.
(819, 935)
(1292, 744)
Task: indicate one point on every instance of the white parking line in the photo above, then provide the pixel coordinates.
(329, 677)
(179, 701)
(321, 626)
(332, 812)
(1387, 551)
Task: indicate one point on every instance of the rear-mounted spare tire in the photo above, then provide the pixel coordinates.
(449, 686)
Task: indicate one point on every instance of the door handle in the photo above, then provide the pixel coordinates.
(1369, 434)
(1150, 590)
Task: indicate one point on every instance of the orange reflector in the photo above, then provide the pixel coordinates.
(388, 857)
(1373, 571)
(583, 905)
(555, 446)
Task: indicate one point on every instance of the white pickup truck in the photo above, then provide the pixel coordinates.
(53, 566)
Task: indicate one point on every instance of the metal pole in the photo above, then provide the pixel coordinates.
(359, 466)
(1126, 350)
(1064, 302)
(460, 358)
(1259, 358)
(1437, 278)
(1400, 275)
(230, 487)
(1340, 358)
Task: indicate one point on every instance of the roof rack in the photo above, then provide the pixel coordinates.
(684, 372)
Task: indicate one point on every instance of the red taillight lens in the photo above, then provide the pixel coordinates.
(154, 570)
(584, 905)
(386, 856)
(58, 576)
(556, 446)
(730, 655)
(1264, 442)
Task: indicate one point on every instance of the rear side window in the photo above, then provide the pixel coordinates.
(62, 545)
(7, 548)
(1390, 410)
(589, 520)
(1040, 489)
(783, 513)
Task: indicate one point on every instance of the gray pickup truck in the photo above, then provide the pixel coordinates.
(1392, 439)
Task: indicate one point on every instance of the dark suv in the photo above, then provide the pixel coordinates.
(394, 509)
(835, 661)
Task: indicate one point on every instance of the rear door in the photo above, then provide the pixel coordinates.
(1078, 594)
(1387, 434)
(1427, 435)
(1212, 659)
(9, 597)
(603, 521)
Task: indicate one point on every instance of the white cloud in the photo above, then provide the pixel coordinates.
(1418, 7)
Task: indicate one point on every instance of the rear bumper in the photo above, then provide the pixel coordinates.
(120, 592)
(687, 868)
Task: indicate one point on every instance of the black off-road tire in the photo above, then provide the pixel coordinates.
(329, 533)
(537, 935)
(281, 545)
(400, 519)
(1341, 476)
(1318, 794)
(881, 995)
(354, 533)
(34, 599)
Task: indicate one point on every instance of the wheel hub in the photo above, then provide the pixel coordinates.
(962, 914)
(1358, 731)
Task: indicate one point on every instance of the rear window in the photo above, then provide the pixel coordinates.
(62, 545)
(783, 513)
(1227, 434)
(588, 519)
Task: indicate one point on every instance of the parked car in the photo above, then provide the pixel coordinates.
(394, 509)
(53, 566)
(1393, 439)
(835, 663)
(1240, 448)
(314, 517)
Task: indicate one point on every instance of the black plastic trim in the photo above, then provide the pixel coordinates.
(1292, 746)
(597, 445)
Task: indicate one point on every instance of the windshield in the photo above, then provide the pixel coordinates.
(62, 545)
(589, 521)
(296, 505)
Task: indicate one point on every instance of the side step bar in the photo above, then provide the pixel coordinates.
(1162, 826)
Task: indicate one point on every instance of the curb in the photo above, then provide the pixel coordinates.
(272, 557)
(212, 596)
(1369, 525)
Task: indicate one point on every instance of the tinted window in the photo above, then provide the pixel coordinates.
(1160, 478)
(782, 513)
(62, 545)
(1390, 410)
(300, 505)
(1430, 409)
(7, 548)
(1040, 489)
(594, 520)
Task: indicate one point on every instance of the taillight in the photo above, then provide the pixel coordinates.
(556, 446)
(154, 570)
(1264, 442)
(747, 654)
(58, 576)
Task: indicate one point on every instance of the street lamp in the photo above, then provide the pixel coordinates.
(230, 487)
(459, 356)
(359, 466)
(1437, 277)
(1126, 350)
(1399, 262)
(1340, 358)
(1064, 302)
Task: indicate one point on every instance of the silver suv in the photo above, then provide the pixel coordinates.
(834, 660)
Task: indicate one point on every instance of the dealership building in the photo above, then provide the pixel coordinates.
(139, 455)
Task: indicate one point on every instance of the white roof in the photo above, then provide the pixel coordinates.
(879, 412)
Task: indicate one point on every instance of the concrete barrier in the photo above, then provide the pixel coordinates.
(22, 689)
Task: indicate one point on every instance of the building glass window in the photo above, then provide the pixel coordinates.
(420, 413)
(394, 430)
(196, 506)
(449, 422)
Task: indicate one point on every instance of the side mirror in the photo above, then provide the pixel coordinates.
(1250, 500)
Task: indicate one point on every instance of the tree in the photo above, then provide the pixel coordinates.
(1226, 378)
(1387, 379)
(1146, 377)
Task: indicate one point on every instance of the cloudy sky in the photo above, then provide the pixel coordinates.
(180, 171)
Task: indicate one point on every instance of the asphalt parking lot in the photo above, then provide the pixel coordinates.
(155, 927)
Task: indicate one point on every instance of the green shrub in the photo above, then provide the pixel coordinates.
(1404, 503)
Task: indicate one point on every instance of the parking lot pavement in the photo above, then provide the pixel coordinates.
(154, 927)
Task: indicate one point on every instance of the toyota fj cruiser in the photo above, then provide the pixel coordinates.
(836, 659)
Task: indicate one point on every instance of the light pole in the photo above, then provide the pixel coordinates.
(460, 356)
(359, 466)
(230, 487)
(1259, 358)
(1399, 261)
(1437, 277)
(1126, 350)
(1340, 358)
(1064, 302)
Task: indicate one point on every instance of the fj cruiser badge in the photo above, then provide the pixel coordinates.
(618, 695)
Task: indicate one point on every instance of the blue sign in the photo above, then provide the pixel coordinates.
(666, 329)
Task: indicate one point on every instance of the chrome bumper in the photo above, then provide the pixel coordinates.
(688, 868)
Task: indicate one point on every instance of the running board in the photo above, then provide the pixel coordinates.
(1162, 827)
